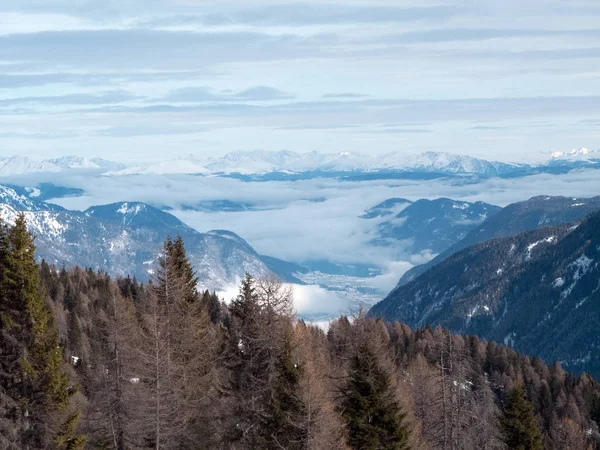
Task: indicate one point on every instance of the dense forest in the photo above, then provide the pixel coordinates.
(91, 362)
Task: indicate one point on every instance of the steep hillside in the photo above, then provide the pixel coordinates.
(124, 238)
(516, 218)
(538, 291)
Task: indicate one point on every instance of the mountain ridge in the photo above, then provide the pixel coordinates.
(282, 163)
(513, 219)
(538, 291)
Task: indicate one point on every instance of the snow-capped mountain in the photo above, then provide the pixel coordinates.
(446, 163)
(274, 165)
(187, 165)
(580, 154)
(21, 165)
(261, 162)
(538, 291)
(125, 238)
(81, 163)
(21, 199)
(269, 165)
(17, 165)
(580, 157)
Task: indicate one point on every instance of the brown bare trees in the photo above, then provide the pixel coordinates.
(175, 361)
(161, 367)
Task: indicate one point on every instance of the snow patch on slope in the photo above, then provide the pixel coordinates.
(530, 247)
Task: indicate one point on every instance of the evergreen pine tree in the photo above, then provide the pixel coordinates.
(31, 361)
(284, 427)
(249, 363)
(519, 424)
(176, 361)
(374, 420)
(184, 269)
(212, 304)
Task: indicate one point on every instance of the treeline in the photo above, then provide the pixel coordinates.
(123, 365)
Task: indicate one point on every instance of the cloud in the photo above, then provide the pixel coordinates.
(308, 15)
(73, 99)
(343, 95)
(261, 93)
(28, 135)
(396, 131)
(130, 49)
(309, 300)
(21, 79)
(487, 128)
(205, 94)
(482, 34)
(295, 228)
(378, 111)
(318, 127)
(149, 130)
(194, 94)
(260, 74)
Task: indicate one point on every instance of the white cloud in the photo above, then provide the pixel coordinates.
(309, 300)
(317, 218)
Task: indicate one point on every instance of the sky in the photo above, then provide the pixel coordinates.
(148, 80)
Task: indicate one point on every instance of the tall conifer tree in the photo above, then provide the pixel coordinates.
(184, 269)
(374, 420)
(31, 359)
(519, 424)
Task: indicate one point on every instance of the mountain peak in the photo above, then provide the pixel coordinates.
(136, 214)
(576, 154)
(22, 165)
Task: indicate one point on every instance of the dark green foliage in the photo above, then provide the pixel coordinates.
(519, 424)
(537, 290)
(31, 361)
(184, 270)
(282, 428)
(212, 304)
(68, 438)
(129, 288)
(374, 420)
(248, 361)
(245, 312)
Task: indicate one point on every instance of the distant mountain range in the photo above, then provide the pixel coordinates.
(20, 165)
(125, 239)
(538, 291)
(264, 165)
(426, 225)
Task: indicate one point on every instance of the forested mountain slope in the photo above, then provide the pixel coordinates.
(538, 291)
(516, 218)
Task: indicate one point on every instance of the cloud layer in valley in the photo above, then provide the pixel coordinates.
(309, 219)
(313, 219)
